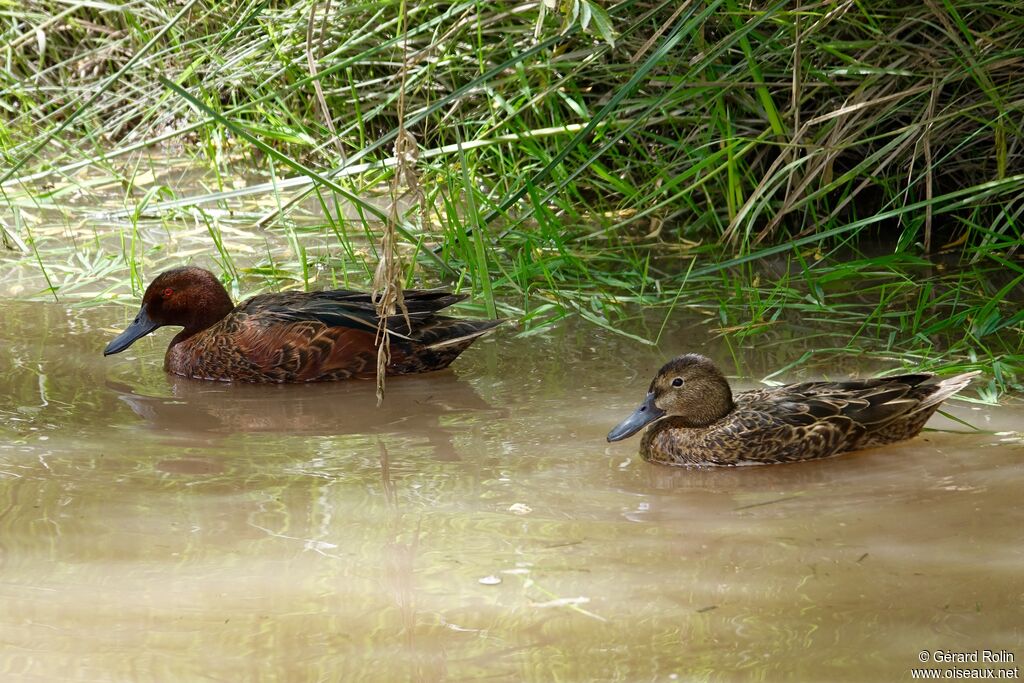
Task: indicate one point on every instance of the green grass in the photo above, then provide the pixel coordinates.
(846, 173)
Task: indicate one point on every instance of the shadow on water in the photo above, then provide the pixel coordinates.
(476, 526)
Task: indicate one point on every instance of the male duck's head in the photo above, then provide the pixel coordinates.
(688, 388)
(190, 297)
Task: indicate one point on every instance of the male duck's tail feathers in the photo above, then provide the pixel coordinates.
(465, 332)
(437, 343)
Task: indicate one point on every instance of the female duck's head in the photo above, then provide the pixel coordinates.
(190, 297)
(689, 389)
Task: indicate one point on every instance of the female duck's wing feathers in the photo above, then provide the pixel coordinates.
(819, 419)
(868, 402)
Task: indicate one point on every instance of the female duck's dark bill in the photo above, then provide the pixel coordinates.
(642, 416)
(140, 327)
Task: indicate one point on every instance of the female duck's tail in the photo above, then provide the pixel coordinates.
(945, 388)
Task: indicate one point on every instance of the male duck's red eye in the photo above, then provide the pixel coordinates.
(168, 292)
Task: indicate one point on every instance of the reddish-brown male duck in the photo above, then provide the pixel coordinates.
(293, 336)
(693, 418)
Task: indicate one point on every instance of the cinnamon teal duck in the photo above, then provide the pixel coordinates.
(693, 418)
(292, 336)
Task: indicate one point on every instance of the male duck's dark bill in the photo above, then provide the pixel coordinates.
(642, 416)
(140, 327)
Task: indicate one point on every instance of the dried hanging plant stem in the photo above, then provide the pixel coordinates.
(387, 279)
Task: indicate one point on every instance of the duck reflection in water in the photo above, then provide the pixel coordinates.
(416, 407)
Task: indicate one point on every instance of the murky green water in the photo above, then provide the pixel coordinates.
(475, 527)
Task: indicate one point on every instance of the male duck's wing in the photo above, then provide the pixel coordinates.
(342, 308)
(303, 336)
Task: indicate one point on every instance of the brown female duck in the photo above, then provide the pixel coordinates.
(695, 419)
(292, 336)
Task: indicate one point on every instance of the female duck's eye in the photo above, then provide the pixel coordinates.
(677, 382)
(168, 292)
